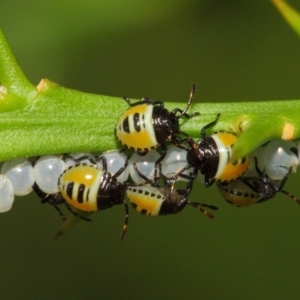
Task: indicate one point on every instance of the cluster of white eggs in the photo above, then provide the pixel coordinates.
(18, 176)
(276, 159)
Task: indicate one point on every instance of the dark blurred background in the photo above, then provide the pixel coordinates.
(234, 51)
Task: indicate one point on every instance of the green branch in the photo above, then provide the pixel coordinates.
(51, 119)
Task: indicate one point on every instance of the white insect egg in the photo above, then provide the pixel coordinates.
(145, 165)
(71, 162)
(6, 194)
(279, 157)
(174, 161)
(20, 174)
(47, 170)
(115, 161)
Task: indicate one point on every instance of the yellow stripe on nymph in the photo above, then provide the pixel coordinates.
(227, 139)
(232, 171)
(227, 170)
(139, 109)
(149, 203)
(238, 200)
(85, 206)
(145, 138)
(239, 194)
(140, 140)
(86, 175)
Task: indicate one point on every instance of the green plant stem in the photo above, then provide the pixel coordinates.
(50, 119)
